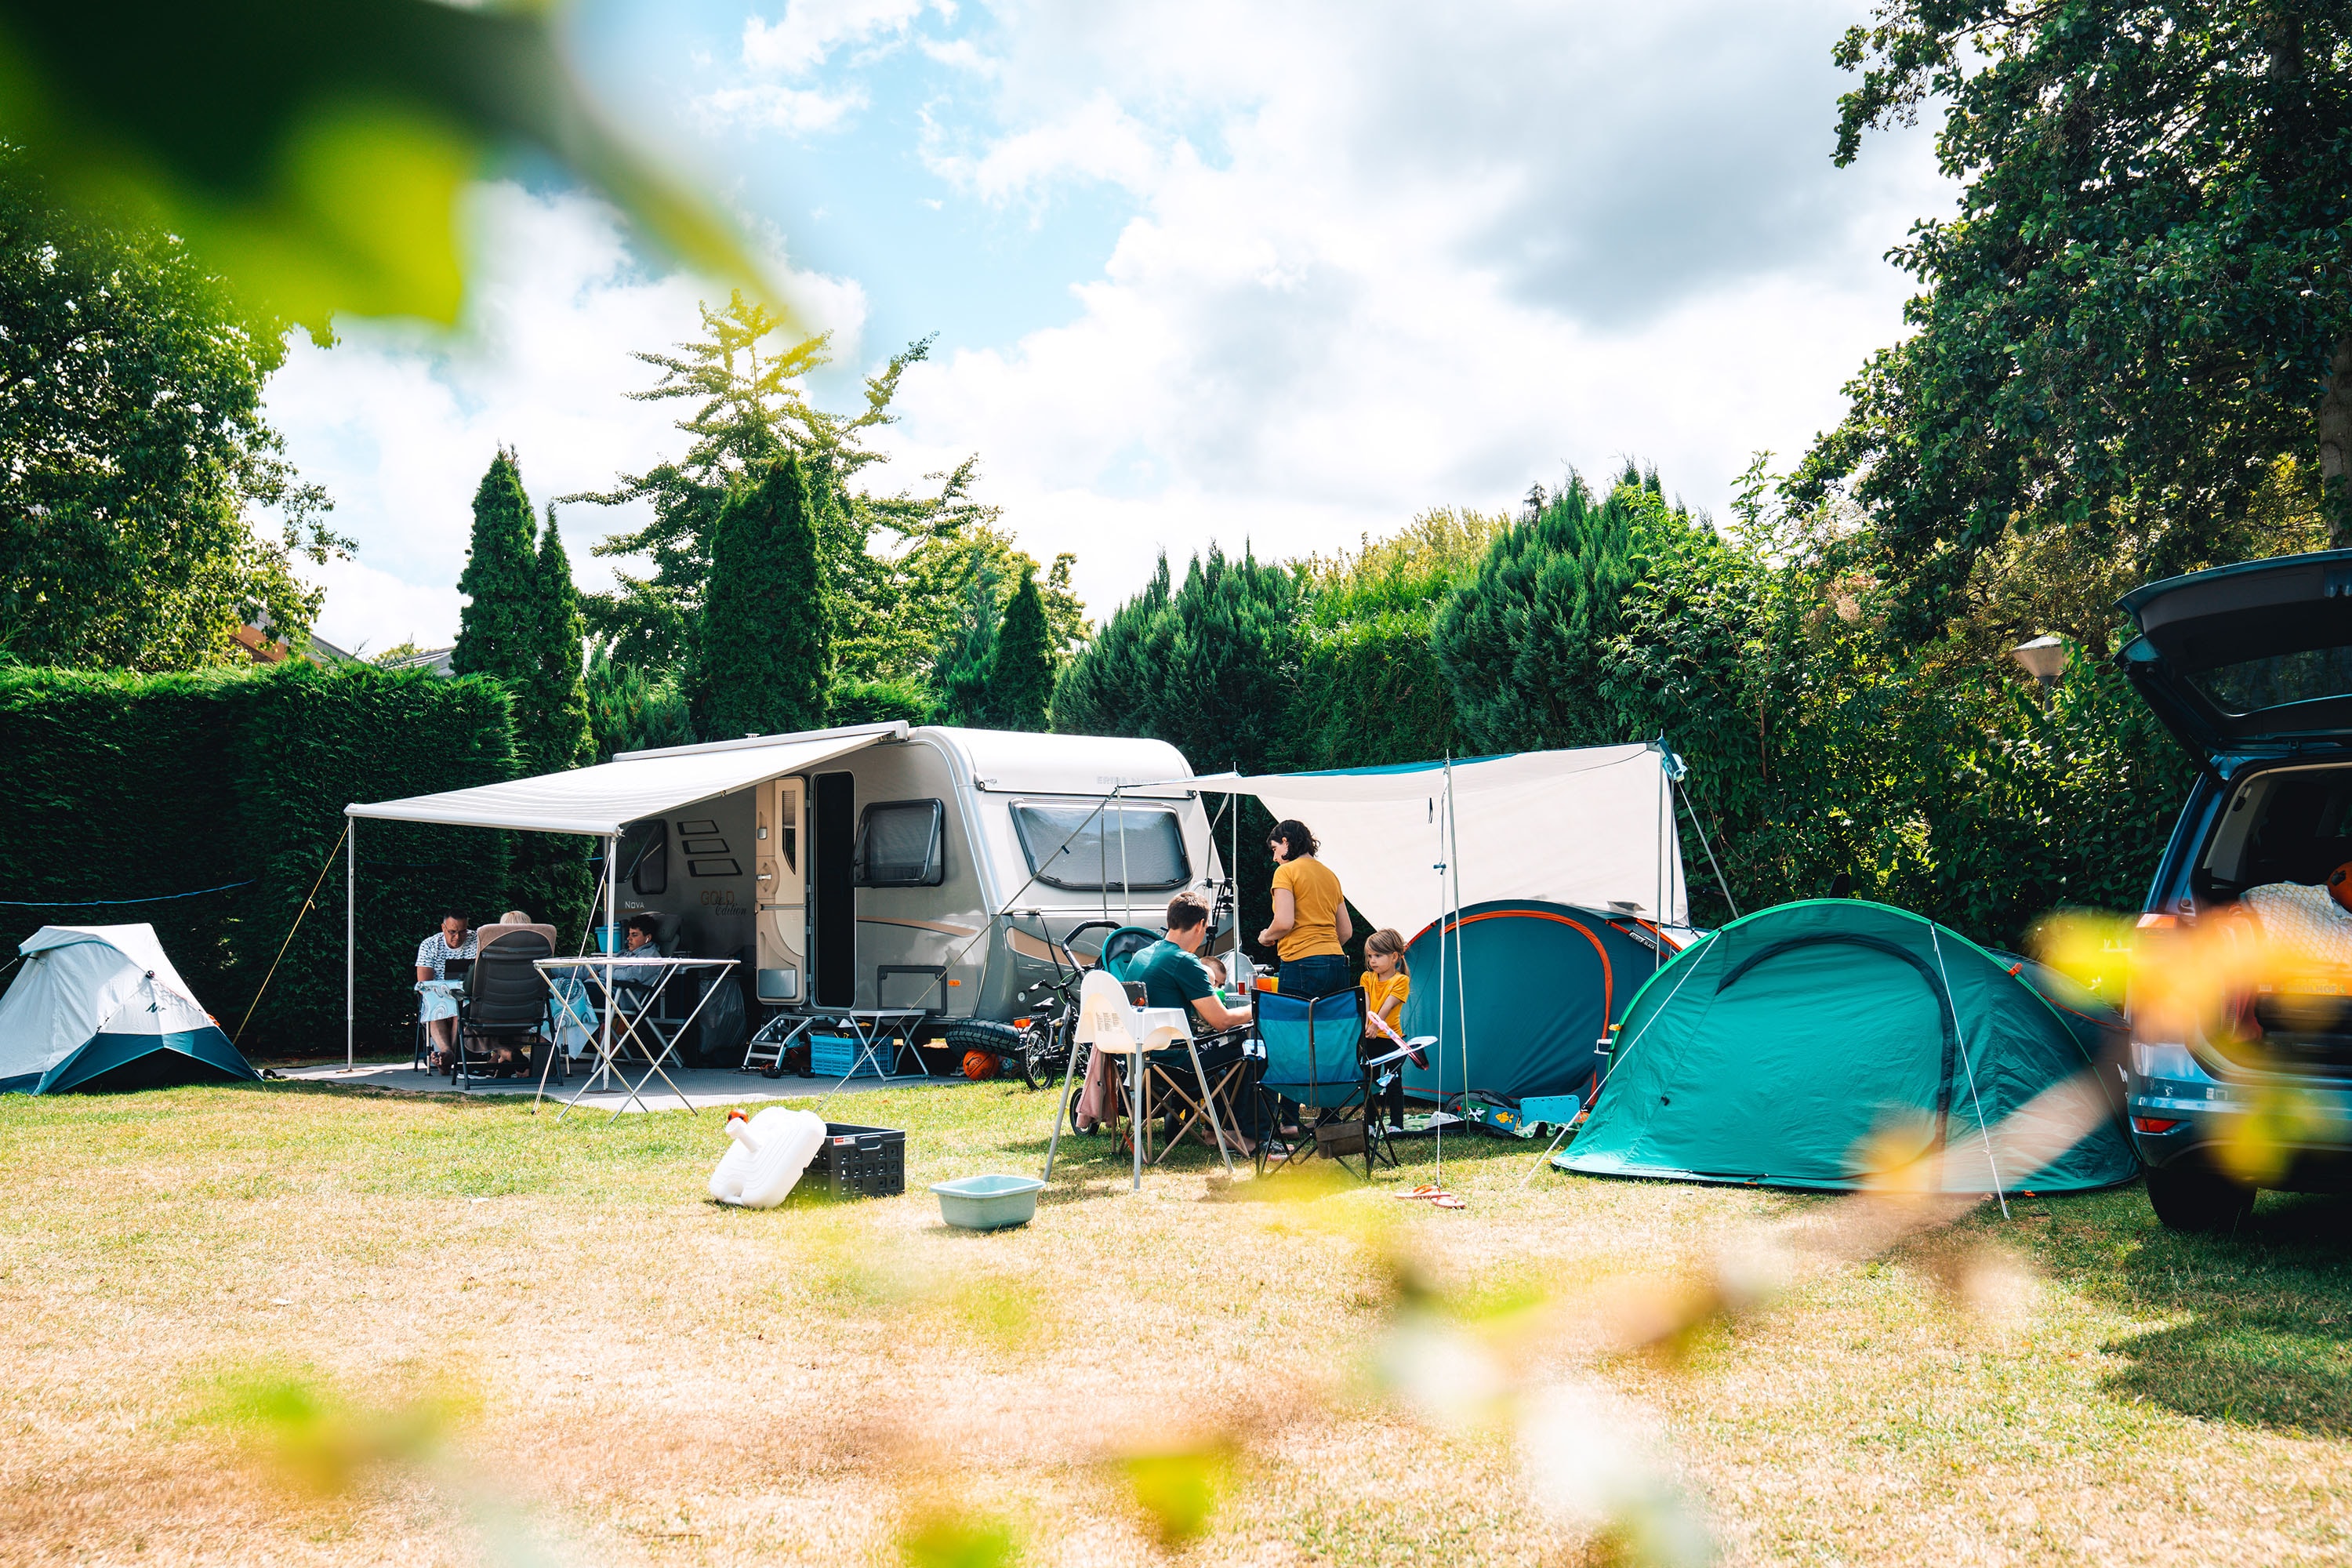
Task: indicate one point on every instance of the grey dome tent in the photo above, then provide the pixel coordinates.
(100, 1007)
(1817, 1045)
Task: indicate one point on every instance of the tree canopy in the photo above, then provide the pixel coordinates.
(551, 713)
(762, 661)
(140, 468)
(743, 383)
(2135, 333)
(497, 626)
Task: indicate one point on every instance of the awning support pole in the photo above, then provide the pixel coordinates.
(611, 937)
(351, 934)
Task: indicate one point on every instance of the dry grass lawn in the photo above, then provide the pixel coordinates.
(287, 1326)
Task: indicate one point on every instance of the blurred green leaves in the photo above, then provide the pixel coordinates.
(313, 153)
(1179, 1490)
(315, 1437)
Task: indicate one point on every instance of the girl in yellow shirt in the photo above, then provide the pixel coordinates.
(1387, 982)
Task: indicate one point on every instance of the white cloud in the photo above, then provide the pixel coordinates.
(1095, 141)
(1422, 255)
(1373, 260)
(399, 423)
(813, 30)
(768, 106)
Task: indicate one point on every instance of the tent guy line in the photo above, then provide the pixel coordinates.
(93, 903)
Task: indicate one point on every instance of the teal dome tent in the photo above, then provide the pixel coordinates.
(1820, 1044)
(1542, 981)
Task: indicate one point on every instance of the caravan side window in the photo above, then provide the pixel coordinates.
(1074, 846)
(902, 844)
(645, 856)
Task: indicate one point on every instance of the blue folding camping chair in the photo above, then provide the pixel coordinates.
(1315, 1058)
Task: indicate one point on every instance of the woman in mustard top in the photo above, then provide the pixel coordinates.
(1311, 917)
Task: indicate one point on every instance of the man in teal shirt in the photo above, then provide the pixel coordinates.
(1174, 977)
(1172, 973)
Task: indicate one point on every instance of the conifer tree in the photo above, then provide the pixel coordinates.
(552, 710)
(965, 665)
(630, 711)
(1020, 682)
(762, 660)
(498, 627)
(1521, 642)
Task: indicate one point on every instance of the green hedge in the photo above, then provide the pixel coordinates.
(133, 787)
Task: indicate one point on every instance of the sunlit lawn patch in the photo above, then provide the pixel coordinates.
(289, 1325)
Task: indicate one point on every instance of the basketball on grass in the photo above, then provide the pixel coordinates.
(979, 1065)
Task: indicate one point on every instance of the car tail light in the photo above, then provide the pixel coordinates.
(2159, 921)
(2155, 1123)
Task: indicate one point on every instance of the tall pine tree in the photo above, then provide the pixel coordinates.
(551, 870)
(762, 659)
(1521, 641)
(552, 706)
(966, 664)
(498, 628)
(1021, 675)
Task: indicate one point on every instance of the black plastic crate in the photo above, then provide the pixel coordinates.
(861, 1162)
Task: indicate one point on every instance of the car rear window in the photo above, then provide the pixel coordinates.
(2306, 675)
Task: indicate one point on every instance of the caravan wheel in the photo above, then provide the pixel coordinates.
(1002, 1041)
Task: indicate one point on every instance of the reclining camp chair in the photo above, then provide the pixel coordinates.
(507, 1000)
(1315, 1056)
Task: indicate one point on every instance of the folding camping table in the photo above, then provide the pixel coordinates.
(651, 974)
(869, 1027)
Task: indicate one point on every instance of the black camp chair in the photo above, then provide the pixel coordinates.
(507, 999)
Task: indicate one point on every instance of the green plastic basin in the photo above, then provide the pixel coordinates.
(988, 1202)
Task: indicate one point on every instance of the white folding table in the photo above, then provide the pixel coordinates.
(628, 970)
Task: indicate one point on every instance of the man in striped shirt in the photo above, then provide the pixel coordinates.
(455, 940)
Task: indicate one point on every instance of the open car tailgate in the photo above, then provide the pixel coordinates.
(2247, 657)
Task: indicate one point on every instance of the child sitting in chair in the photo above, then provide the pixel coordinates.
(1387, 981)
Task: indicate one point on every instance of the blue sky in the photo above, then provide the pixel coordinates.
(1203, 271)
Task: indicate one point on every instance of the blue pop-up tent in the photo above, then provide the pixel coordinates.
(100, 1007)
(1542, 981)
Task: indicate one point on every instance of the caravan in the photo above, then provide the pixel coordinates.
(880, 866)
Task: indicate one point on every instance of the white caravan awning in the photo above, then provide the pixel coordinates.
(1591, 826)
(603, 800)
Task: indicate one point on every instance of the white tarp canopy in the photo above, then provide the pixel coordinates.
(604, 799)
(1591, 826)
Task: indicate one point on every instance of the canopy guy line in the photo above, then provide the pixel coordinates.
(307, 898)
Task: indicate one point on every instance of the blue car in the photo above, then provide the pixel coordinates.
(2251, 665)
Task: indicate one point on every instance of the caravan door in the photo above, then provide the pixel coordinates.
(783, 892)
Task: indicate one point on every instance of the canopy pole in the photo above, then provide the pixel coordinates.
(1438, 1122)
(351, 936)
(1233, 875)
(1461, 979)
(612, 936)
(1126, 877)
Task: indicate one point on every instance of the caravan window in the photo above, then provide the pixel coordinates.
(1073, 846)
(901, 844)
(645, 856)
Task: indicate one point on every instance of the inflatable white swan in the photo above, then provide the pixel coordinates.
(769, 1152)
